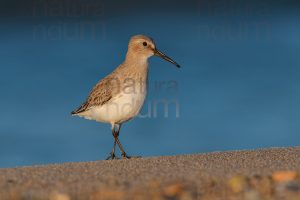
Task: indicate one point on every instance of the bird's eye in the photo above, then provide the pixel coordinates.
(145, 43)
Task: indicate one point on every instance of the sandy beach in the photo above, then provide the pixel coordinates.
(251, 174)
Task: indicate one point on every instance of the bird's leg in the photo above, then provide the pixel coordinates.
(112, 154)
(124, 155)
(116, 135)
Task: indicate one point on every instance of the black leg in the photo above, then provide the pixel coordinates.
(116, 131)
(112, 154)
(124, 155)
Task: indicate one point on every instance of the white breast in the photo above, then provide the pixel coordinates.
(120, 108)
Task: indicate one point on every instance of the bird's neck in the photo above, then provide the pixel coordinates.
(134, 60)
(135, 67)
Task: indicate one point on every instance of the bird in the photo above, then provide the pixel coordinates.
(119, 96)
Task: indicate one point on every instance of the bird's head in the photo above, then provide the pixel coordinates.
(144, 47)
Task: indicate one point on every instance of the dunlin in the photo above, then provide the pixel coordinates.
(119, 96)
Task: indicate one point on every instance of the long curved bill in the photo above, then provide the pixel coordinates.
(162, 55)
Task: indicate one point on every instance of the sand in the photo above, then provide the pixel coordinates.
(256, 174)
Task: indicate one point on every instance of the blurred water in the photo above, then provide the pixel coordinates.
(238, 87)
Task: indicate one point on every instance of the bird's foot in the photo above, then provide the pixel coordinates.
(112, 156)
(125, 156)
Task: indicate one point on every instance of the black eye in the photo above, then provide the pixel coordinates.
(145, 43)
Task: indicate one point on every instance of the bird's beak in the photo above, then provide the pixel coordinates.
(162, 55)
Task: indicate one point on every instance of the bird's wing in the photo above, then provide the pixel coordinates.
(99, 95)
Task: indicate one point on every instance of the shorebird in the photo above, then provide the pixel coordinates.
(119, 96)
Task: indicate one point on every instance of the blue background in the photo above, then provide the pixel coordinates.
(238, 87)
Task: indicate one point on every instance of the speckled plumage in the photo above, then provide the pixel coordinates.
(113, 85)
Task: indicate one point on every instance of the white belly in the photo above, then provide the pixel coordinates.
(119, 109)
